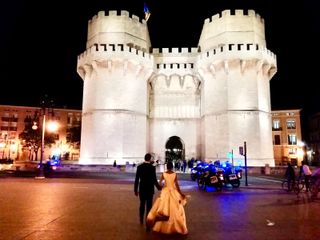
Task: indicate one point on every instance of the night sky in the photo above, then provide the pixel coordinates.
(40, 42)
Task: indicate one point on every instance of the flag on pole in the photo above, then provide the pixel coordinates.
(146, 12)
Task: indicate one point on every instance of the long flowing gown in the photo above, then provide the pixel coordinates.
(169, 203)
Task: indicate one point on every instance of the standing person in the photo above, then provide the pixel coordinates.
(144, 183)
(184, 165)
(307, 174)
(167, 215)
(290, 175)
(316, 176)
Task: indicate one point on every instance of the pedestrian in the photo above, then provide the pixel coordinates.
(307, 174)
(290, 175)
(167, 215)
(184, 165)
(114, 163)
(144, 183)
(316, 181)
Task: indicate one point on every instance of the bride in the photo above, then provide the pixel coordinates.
(167, 213)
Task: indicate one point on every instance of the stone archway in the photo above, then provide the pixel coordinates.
(175, 149)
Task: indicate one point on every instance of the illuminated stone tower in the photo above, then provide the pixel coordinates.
(235, 68)
(209, 99)
(115, 69)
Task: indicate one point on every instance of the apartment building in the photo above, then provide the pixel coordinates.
(314, 138)
(13, 120)
(286, 135)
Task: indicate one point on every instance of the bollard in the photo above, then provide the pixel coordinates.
(267, 169)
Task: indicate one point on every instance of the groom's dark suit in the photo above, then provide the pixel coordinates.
(144, 184)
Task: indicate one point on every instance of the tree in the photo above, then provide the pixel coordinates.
(74, 135)
(31, 138)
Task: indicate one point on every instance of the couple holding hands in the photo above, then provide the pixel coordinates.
(167, 214)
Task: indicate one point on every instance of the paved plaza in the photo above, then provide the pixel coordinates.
(106, 208)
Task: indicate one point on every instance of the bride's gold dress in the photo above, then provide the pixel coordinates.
(169, 203)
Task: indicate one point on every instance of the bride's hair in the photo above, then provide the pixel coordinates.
(169, 165)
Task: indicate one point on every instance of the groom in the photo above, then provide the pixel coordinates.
(144, 184)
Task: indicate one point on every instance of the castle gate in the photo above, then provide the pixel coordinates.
(175, 149)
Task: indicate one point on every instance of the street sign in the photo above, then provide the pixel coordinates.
(241, 150)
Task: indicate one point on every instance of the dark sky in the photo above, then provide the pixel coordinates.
(40, 42)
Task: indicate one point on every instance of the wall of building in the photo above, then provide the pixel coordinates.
(314, 139)
(14, 118)
(283, 150)
(235, 94)
(188, 130)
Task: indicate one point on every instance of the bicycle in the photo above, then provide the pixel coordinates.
(296, 185)
(285, 185)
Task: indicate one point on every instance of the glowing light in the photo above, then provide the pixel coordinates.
(52, 126)
(34, 126)
(56, 152)
(300, 153)
(13, 146)
(301, 144)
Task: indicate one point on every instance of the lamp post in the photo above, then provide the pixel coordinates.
(4, 145)
(46, 108)
(41, 172)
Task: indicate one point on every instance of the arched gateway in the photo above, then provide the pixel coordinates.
(175, 149)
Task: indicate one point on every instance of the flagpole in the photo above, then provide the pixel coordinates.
(146, 12)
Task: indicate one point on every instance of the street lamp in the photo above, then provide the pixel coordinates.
(46, 109)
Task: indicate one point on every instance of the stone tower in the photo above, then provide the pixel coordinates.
(208, 99)
(235, 68)
(115, 69)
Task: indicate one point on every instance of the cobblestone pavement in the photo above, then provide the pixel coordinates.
(106, 208)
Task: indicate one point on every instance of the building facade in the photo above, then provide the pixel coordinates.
(314, 139)
(286, 134)
(197, 102)
(13, 120)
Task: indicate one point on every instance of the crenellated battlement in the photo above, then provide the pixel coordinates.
(243, 51)
(111, 27)
(114, 49)
(174, 50)
(232, 27)
(114, 13)
(238, 13)
(178, 59)
(175, 66)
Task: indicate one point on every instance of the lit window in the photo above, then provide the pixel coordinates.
(276, 124)
(291, 124)
(69, 120)
(292, 139)
(292, 150)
